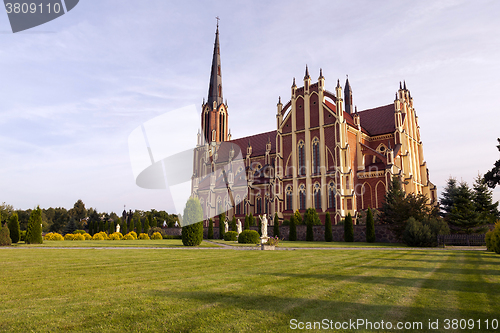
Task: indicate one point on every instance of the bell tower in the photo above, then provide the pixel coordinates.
(214, 115)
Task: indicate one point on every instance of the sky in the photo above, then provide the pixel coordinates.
(72, 90)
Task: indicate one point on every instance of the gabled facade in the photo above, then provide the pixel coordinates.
(323, 154)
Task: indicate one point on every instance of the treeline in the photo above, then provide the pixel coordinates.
(63, 221)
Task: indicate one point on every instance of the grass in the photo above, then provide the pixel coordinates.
(154, 290)
(138, 243)
(304, 244)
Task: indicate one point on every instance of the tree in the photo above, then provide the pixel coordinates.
(147, 223)
(4, 235)
(311, 218)
(247, 222)
(131, 227)
(448, 196)
(71, 226)
(463, 216)
(233, 224)
(94, 219)
(370, 227)
(298, 218)
(192, 227)
(112, 227)
(251, 220)
(14, 228)
(483, 199)
(222, 218)
(328, 228)
(492, 177)
(276, 227)
(138, 226)
(210, 229)
(348, 229)
(259, 226)
(293, 229)
(34, 230)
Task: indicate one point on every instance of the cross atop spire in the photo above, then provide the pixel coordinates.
(218, 19)
(215, 88)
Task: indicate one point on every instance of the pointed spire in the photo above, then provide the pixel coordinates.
(215, 87)
(294, 85)
(400, 87)
(356, 109)
(320, 74)
(338, 83)
(307, 73)
(404, 87)
(279, 100)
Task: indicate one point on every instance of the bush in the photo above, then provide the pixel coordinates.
(78, 237)
(192, 225)
(172, 236)
(143, 236)
(286, 222)
(156, 235)
(370, 227)
(222, 218)
(54, 236)
(493, 239)
(246, 225)
(210, 229)
(87, 236)
(192, 234)
(133, 234)
(22, 235)
(79, 232)
(5, 235)
(249, 237)
(115, 236)
(276, 227)
(231, 236)
(97, 236)
(417, 234)
(293, 229)
(69, 237)
(328, 228)
(14, 228)
(311, 218)
(128, 236)
(348, 229)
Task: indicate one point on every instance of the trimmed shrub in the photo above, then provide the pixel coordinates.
(79, 232)
(328, 228)
(293, 229)
(311, 218)
(14, 228)
(34, 230)
(5, 235)
(128, 236)
(231, 236)
(493, 239)
(53, 236)
(286, 222)
(210, 229)
(348, 229)
(87, 236)
(233, 224)
(298, 218)
(78, 237)
(69, 237)
(156, 235)
(370, 227)
(97, 236)
(246, 225)
(251, 220)
(249, 237)
(143, 236)
(133, 234)
(115, 236)
(417, 234)
(276, 227)
(192, 225)
(222, 218)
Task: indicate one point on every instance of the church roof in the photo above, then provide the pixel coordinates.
(258, 143)
(379, 120)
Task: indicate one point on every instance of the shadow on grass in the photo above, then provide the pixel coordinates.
(455, 271)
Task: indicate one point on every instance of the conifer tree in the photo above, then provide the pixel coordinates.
(311, 218)
(247, 222)
(276, 227)
(348, 229)
(131, 227)
(448, 196)
(4, 235)
(298, 218)
(210, 229)
(138, 226)
(233, 224)
(192, 230)
(463, 216)
(328, 228)
(259, 226)
(70, 226)
(124, 227)
(370, 227)
(106, 226)
(251, 219)
(111, 227)
(14, 228)
(492, 177)
(483, 199)
(293, 229)
(147, 223)
(222, 218)
(34, 230)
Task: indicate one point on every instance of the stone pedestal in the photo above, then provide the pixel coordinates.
(263, 240)
(267, 247)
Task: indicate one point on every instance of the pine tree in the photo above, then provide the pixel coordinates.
(483, 199)
(348, 229)
(293, 229)
(448, 197)
(492, 177)
(328, 228)
(124, 227)
(14, 228)
(370, 227)
(210, 229)
(222, 218)
(34, 230)
(138, 226)
(276, 227)
(463, 216)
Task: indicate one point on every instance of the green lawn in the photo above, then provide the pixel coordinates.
(114, 243)
(154, 290)
(304, 244)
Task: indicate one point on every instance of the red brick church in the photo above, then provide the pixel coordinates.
(323, 154)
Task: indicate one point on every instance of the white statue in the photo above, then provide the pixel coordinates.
(226, 226)
(238, 225)
(117, 228)
(176, 224)
(164, 224)
(263, 226)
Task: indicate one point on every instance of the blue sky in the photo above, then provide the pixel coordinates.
(72, 90)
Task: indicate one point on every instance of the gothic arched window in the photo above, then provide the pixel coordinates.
(317, 196)
(316, 157)
(331, 195)
(288, 200)
(302, 197)
(258, 204)
(302, 158)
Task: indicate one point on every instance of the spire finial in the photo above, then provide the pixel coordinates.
(218, 19)
(400, 87)
(279, 100)
(338, 83)
(307, 72)
(404, 87)
(321, 72)
(356, 109)
(294, 85)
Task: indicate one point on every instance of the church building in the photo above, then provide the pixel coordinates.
(324, 154)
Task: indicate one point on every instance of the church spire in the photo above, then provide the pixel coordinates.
(348, 96)
(215, 88)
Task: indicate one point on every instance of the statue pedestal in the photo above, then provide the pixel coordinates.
(267, 247)
(263, 240)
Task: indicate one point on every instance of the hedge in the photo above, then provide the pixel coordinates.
(249, 237)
